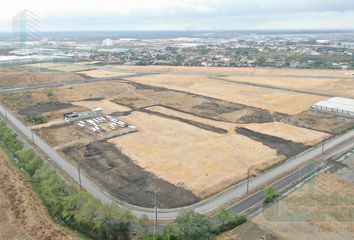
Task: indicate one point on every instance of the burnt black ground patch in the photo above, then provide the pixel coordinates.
(40, 109)
(125, 180)
(283, 147)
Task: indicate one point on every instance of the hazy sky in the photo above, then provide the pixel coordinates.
(183, 14)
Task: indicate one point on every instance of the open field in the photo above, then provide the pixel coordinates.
(270, 99)
(158, 150)
(321, 209)
(196, 136)
(24, 78)
(230, 71)
(335, 87)
(278, 129)
(22, 214)
(60, 67)
(103, 73)
(289, 132)
(108, 107)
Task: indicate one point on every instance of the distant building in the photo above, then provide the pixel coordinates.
(336, 105)
(26, 27)
(107, 42)
(348, 45)
(324, 42)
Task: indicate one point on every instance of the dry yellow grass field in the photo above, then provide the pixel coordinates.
(107, 106)
(190, 157)
(229, 70)
(103, 73)
(103, 89)
(273, 100)
(289, 132)
(170, 112)
(320, 210)
(277, 129)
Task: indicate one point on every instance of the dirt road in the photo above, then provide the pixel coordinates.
(22, 214)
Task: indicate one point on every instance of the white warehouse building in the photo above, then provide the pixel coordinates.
(336, 105)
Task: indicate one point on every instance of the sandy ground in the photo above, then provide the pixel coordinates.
(60, 67)
(289, 82)
(22, 215)
(225, 70)
(57, 136)
(49, 123)
(224, 159)
(108, 107)
(79, 92)
(338, 87)
(273, 100)
(25, 78)
(289, 132)
(248, 231)
(171, 112)
(321, 209)
(103, 73)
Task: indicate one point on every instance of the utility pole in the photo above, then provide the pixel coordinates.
(78, 169)
(155, 215)
(248, 180)
(323, 143)
(6, 114)
(32, 136)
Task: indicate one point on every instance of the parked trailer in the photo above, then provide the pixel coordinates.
(121, 124)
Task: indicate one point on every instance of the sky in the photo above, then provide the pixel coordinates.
(125, 15)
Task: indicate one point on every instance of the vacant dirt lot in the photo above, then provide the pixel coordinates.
(321, 209)
(160, 142)
(25, 78)
(334, 87)
(103, 73)
(124, 179)
(244, 71)
(63, 134)
(272, 100)
(108, 107)
(289, 132)
(249, 231)
(59, 67)
(22, 214)
(322, 122)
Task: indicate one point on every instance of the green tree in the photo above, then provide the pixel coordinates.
(143, 227)
(229, 221)
(191, 226)
(270, 194)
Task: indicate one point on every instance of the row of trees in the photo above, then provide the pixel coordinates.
(84, 213)
(190, 226)
(67, 204)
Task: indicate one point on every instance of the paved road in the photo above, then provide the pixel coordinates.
(202, 207)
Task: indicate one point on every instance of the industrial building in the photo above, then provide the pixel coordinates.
(336, 105)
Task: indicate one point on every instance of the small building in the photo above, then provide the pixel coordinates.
(336, 105)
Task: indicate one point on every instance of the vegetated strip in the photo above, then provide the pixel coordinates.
(283, 147)
(196, 124)
(66, 204)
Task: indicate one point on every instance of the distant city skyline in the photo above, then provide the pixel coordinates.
(118, 15)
